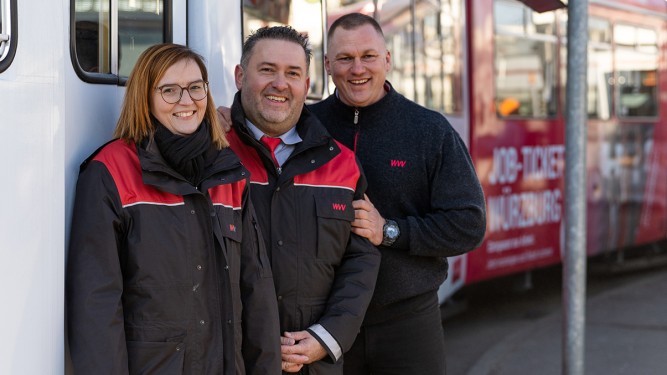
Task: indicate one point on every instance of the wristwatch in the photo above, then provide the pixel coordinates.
(390, 232)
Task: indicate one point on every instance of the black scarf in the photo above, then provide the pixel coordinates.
(187, 155)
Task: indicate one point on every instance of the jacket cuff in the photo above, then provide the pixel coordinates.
(403, 240)
(327, 341)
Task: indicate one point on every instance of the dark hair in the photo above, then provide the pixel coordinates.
(286, 33)
(352, 21)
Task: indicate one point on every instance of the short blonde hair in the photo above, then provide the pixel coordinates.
(134, 123)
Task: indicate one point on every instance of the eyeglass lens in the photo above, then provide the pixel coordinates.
(173, 93)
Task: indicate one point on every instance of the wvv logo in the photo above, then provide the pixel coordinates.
(338, 206)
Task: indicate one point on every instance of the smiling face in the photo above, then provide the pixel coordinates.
(358, 61)
(274, 85)
(184, 116)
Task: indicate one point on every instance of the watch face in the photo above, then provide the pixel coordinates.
(392, 231)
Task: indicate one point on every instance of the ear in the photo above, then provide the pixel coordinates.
(327, 64)
(388, 61)
(238, 76)
(307, 88)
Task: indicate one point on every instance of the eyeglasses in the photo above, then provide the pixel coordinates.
(173, 93)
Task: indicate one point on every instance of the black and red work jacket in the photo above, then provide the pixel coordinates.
(323, 273)
(164, 277)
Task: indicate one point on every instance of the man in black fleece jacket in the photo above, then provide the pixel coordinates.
(427, 202)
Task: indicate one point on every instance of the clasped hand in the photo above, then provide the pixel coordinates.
(299, 349)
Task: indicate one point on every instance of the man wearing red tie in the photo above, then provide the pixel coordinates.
(303, 183)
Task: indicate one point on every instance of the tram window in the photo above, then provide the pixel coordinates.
(304, 16)
(599, 30)
(636, 60)
(599, 93)
(400, 75)
(140, 24)
(525, 62)
(542, 23)
(439, 58)
(509, 17)
(92, 35)
(432, 76)
(451, 33)
(8, 32)
(430, 86)
(600, 71)
(139, 27)
(4, 37)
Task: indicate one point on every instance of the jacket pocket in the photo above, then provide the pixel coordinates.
(155, 357)
(334, 221)
(230, 223)
(231, 228)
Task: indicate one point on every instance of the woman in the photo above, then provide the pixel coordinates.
(166, 273)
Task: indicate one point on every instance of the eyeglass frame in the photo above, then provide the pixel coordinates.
(187, 88)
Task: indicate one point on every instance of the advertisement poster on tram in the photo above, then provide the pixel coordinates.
(525, 205)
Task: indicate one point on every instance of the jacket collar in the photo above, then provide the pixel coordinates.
(313, 134)
(226, 168)
(378, 108)
(309, 128)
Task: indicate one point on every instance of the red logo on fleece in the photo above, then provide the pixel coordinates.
(232, 227)
(398, 163)
(338, 206)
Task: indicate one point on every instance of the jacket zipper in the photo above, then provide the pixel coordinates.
(356, 129)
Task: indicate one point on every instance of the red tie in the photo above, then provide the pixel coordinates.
(271, 143)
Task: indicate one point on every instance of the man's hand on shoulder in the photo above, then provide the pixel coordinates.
(225, 118)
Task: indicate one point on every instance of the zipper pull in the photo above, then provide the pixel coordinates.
(279, 170)
(356, 116)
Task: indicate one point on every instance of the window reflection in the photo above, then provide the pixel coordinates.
(636, 61)
(140, 25)
(599, 69)
(509, 17)
(92, 35)
(2, 31)
(525, 61)
(304, 16)
(431, 74)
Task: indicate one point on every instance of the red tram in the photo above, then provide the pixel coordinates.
(518, 122)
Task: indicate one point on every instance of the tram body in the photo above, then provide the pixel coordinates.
(518, 130)
(494, 68)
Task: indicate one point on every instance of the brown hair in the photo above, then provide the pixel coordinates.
(134, 123)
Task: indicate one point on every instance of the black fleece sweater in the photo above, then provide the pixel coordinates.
(420, 174)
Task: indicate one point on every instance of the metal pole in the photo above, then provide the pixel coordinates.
(574, 264)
